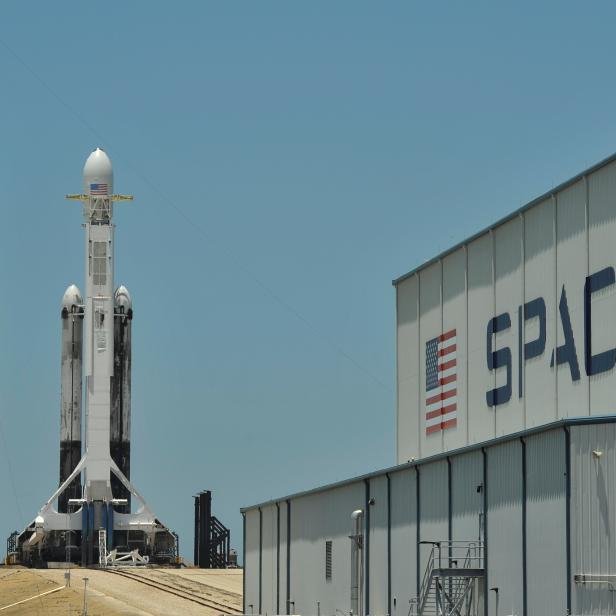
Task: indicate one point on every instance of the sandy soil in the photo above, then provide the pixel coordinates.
(112, 595)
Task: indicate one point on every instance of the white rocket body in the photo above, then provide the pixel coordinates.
(98, 322)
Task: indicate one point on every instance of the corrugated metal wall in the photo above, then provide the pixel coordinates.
(315, 519)
(542, 253)
(433, 507)
(546, 523)
(403, 540)
(407, 366)
(282, 594)
(539, 281)
(378, 546)
(593, 516)
(268, 560)
(466, 495)
(251, 561)
(531, 546)
(504, 527)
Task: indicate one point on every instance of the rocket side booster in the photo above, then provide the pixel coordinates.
(121, 392)
(71, 392)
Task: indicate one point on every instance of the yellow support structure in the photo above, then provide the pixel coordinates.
(112, 197)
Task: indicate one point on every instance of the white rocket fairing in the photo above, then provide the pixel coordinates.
(99, 508)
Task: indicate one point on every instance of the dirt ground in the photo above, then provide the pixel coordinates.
(112, 595)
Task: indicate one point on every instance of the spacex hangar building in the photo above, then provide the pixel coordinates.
(503, 500)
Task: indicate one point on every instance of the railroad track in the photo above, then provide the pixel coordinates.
(184, 594)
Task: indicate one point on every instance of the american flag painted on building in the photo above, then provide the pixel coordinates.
(98, 189)
(441, 382)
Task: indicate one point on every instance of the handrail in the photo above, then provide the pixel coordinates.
(471, 553)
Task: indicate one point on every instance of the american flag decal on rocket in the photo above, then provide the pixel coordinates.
(98, 189)
(441, 382)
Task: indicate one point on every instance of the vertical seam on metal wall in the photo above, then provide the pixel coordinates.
(442, 331)
(587, 230)
(485, 527)
(419, 388)
(467, 351)
(367, 551)
(388, 544)
(288, 556)
(556, 285)
(397, 333)
(244, 556)
(524, 548)
(260, 557)
(449, 503)
(522, 324)
(449, 518)
(417, 528)
(493, 261)
(277, 558)
(568, 513)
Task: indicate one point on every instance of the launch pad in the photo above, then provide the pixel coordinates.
(89, 518)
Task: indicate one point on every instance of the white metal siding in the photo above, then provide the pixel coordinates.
(407, 429)
(572, 269)
(403, 540)
(539, 380)
(431, 326)
(454, 317)
(545, 252)
(602, 235)
(268, 560)
(433, 506)
(508, 292)
(466, 495)
(315, 519)
(282, 597)
(546, 526)
(321, 516)
(481, 422)
(378, 546)
(504, 536)
(251, 561)
(593, 515)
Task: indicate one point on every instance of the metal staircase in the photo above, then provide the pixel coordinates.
(453, 580)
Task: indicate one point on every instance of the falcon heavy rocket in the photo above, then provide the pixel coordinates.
(93, 521)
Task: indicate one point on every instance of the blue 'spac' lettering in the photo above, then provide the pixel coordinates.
(601, 362)
(566, 353)
(498, 359)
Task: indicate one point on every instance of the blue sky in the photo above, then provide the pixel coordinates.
(288, 161)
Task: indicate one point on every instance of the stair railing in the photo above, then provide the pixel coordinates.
(471, 553)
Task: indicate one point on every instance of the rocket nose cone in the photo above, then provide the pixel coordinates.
(98, 173)
(123, 299)
(72, 298)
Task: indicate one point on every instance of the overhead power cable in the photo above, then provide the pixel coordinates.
(192, 224)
